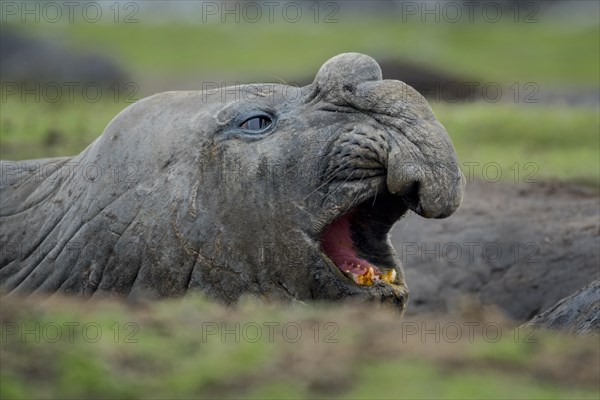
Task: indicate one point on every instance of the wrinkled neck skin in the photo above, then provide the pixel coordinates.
(183, 199)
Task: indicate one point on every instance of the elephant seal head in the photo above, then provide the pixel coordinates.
(288, 193)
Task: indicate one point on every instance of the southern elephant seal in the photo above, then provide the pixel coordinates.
(255, 189)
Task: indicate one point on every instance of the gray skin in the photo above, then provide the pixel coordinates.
(175, 196)
(578, 313)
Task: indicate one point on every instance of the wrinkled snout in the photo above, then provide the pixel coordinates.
(432, 189)
(422, 161)
(422, 166)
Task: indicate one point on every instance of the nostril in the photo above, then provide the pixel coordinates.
(411, 197)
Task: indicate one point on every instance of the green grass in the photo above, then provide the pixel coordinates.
(548, 52)
(171, 355)
(416, 379)
(43, 129)
(524, 143)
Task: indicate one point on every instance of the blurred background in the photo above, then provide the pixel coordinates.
(516, 84)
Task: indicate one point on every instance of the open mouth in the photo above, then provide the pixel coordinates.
(357, 241)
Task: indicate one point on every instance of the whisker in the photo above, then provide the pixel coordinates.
(340, 184)
(315, 157)
(280, 79)
(357, 194)
(338, 170)
(325, 182)
(298, 206)
(374, 200)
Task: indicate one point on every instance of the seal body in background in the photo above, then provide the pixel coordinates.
(282, 192)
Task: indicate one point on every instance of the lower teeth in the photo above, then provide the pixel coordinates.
(370, 277)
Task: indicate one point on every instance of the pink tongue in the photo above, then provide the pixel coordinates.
(337, 244)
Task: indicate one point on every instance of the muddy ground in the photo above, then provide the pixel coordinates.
(519, 246)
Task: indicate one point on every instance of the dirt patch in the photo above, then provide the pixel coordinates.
(519, 246)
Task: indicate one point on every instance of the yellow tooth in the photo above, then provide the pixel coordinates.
(389, 276)
(368, 278)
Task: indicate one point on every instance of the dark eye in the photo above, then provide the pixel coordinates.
(256, 124)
